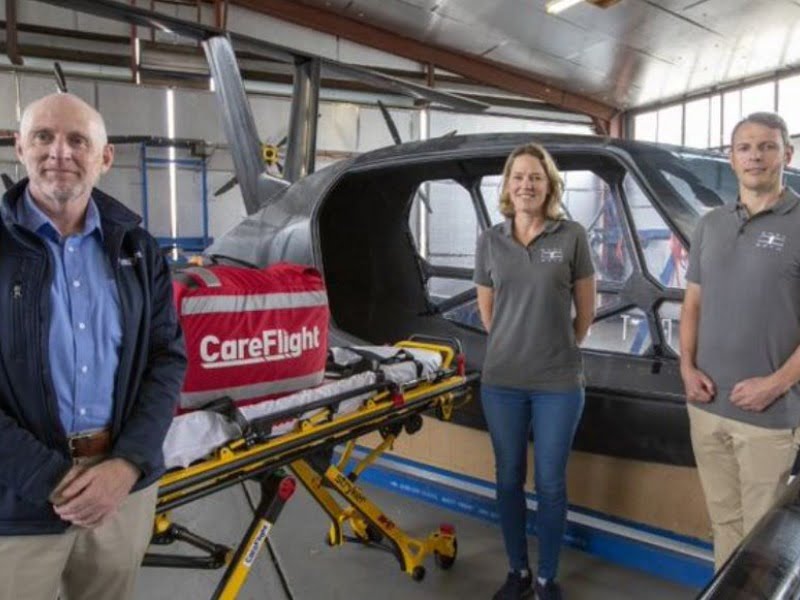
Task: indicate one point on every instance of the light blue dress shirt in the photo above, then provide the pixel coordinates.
(85, 319)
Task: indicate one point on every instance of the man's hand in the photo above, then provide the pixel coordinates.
(56, 496)
(97, 492)
(699, 387)
(756, 394)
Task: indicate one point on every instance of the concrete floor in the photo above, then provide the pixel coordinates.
(313, 570)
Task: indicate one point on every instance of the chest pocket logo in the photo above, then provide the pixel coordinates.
(552, 255)
(130, 261)
(771, 241)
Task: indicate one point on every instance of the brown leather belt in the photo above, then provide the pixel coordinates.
(90, 443)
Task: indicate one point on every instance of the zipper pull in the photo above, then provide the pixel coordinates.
(17, 291)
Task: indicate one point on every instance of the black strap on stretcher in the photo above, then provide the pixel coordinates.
(260, 429)
(370, 361)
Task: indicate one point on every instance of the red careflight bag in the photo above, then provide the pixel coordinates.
(251, 334)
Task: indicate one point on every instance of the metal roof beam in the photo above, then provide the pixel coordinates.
(474, 67)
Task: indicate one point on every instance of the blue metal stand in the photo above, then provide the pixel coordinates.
(188, 244)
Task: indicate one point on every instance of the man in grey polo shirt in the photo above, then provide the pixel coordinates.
(740, 332)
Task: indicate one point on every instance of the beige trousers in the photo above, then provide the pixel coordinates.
(83, 564)
(743, 469)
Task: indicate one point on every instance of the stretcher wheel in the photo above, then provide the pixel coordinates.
(394, 429)
(418, 573)
(446, 562)
(413, 424)
(374, 534)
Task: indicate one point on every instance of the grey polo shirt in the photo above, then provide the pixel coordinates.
(531, 344)
(748, 269)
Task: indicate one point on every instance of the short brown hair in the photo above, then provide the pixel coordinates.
(552, 205)
(767, 119)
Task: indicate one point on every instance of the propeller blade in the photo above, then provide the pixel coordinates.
(450, 133)
(7, 181)
(283, 141)
(61, 82)
(280, 167)
(390, 123)
(229, 185)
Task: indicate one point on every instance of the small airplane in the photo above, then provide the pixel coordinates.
(355, 221)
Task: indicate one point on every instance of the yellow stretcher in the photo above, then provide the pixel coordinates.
(389, 409)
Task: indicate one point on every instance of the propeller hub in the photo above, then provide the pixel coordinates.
(269, 154)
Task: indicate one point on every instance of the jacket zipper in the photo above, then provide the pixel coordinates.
(41, 326)
(120, 395)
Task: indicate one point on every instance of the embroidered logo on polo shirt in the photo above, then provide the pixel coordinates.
(771, 241)
(552, 255)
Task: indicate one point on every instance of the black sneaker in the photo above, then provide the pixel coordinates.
(516, 587)
(549, 590)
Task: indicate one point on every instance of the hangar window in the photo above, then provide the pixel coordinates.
(715, 126)
(627, 332)
(758, 98)
(645, 127)
(708, 121)
(731, 113)
(788, 101)
(697, 123)
(670, 125)
(665, 257)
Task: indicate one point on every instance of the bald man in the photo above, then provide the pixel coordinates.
(91, 364)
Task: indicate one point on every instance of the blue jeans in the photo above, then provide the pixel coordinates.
(511, 414)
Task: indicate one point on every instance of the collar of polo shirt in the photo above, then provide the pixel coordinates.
(786, 203)
(550, 225)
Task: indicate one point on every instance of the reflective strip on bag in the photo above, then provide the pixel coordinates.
(206, 275)
(203, 305)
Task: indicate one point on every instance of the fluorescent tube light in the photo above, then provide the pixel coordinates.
(556, 6)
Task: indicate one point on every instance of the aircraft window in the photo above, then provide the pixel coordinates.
(710, 182)
(441, 288)
(490, 190)
(465, 314)
(606, 301)
(705, 183)
(669, 314)
(589, 200)
(627, 332)
(664, 254)
(452, 225)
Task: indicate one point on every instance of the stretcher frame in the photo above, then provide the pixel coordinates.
(390, 409)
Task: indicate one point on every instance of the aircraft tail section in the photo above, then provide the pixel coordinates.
(239, 125)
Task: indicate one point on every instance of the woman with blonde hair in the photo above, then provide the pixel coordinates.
(530, 270)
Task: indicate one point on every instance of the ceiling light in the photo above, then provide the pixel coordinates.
(556, 6)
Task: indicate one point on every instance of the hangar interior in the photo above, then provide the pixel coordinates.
(677, 72)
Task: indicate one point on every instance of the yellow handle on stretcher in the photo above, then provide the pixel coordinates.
(448, 354)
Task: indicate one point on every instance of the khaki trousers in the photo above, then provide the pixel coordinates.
(83, 564)
(743, 469)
